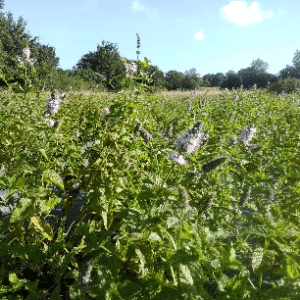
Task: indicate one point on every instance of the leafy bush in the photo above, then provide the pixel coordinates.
(288, 85)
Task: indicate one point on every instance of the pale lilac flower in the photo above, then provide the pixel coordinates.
(131, 68)
(236, 97)
(85, 274)
(49, 122)
(189, 108)
(247, 134)
(226, 91)
(190, 140)
(175, 157)
(170, 129)
(26, 57)
(241, 87)
(255, 86)
(106, 110)
(54, 103)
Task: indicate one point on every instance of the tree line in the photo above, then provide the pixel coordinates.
(105, 66)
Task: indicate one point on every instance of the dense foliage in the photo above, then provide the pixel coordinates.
(287, 85)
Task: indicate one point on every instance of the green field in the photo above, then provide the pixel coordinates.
(187, 196)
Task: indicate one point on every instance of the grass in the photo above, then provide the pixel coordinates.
(222, 222)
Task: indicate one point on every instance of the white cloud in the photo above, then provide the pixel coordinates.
(152, 13)
(136, 6)
(238, 13)
(199, 36)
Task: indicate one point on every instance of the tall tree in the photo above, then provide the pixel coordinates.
(232, 81)
(296, 59)
(174, 80)
(289, 71)
(230, 72)
(105, 62)
(14, 39)
(259, 65)
(2, 4)
(296, 63)
(193, 79)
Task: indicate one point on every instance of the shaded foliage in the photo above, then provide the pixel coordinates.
(232, 81)
(107, 62)
(14, 40)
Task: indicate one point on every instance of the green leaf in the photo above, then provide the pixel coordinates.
(22, 211)
(257, 257)
(128, 288)
(51, 176)
(44, 153)
(15, 281)
(43, 227)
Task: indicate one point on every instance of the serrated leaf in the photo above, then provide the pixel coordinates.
(43, 228)
(187, 274)
(44, 153)
(128, 288)
(51, 176)
(257, 257)
(22, 211)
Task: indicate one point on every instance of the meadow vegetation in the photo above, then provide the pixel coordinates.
(190, 197)
(186, 194)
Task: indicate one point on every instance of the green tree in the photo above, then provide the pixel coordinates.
(174, 80)
(259, 66)
(296, 63)
(14, 40)
(288, 71)
(106, 63)
(192, 79)
(232, 81)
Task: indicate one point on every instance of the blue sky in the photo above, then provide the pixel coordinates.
(212, 37)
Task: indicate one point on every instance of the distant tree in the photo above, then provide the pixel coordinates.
(232, 81)
(105, 62)
(2, 4)
(296, 63)
(174, 80)
(230, 72)
(249, 77)
(192, 79)
(296, 59)
(259, 66)
(217, 79)
(289, 71)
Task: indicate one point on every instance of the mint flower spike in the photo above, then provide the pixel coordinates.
(209, 166)
(26, 57)
(247, 134)
(139, 130)
(175, 157)
(170, 130)
(190, 140)
(189, 108)
(183, 197)
(54, 102)
(52, 107)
